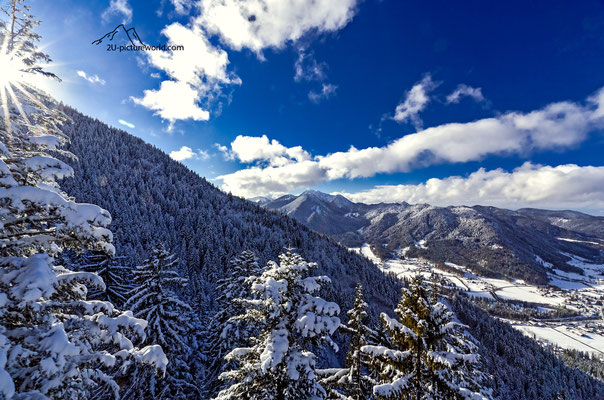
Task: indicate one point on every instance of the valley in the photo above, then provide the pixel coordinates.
(541, 309)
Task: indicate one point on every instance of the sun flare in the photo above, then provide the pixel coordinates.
(13, 72)
(11, 69)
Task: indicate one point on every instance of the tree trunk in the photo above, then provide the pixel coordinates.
(358, 371)
(418, 373)
(12, 26)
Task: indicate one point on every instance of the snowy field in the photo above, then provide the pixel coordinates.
(581, 293)
(585, 337)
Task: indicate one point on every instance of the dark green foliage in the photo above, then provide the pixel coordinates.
(278, 363)
(590, 364)
(354, 381)
(427, 355)
(154, 299)
(115, 275)
(521, 311)
(519, 366)
(153, 198)
(226, 330)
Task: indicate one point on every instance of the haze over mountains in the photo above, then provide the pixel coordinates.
(523, 244)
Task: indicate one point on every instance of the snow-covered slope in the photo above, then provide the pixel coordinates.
(536, 306)
(521, 244)
(153, 198)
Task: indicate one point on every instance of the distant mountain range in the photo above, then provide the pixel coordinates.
(520, 244)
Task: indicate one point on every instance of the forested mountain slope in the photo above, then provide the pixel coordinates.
(519, 367)
(492, 241)
(155, 199)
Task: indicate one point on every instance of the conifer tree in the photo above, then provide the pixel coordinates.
(429, 357)
(279, 363)
(53, 342)
(353, 382)
(20, 42)
(359, 385)
(113, 274)
(227, 328)
(154, 299)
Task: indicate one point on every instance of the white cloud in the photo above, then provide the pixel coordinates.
(563, 186)
(183, 154)
(307, 68)
(174, 100)
(126, 123)
(118, 7)
(260, 24)
(202, 154)
(327, 90)
(227, 154)
(255, 24)
(155, 75)
(186, 153)
(196, 75)
(182, 6)
(199, 61)
(415, 101)
(557, 126)
(92, 78)
(597, 99)
(463, 90)
(257, 181)
(249, 149)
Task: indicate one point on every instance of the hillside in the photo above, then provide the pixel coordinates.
(153, 198)
(495, 242)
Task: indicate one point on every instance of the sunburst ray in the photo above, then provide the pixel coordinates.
(14, 69)
(17, 103)
(4, 101)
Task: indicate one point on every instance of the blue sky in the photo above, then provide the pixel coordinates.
(443, 102)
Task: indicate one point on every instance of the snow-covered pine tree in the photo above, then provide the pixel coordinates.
(113, 273)
(53, 342)
(353, 382)
(430, 358)
(20, 40)
(279, 363)
(153, 299)
(227, 330)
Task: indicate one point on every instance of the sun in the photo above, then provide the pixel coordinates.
(12, 64)
(12, 78)
(10, 69)
(10, 75)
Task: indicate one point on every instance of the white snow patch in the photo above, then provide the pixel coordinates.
(579, 241)
(543, 262)
(567, 337)
(365, 250)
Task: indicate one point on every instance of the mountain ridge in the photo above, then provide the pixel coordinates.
(493, 241)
